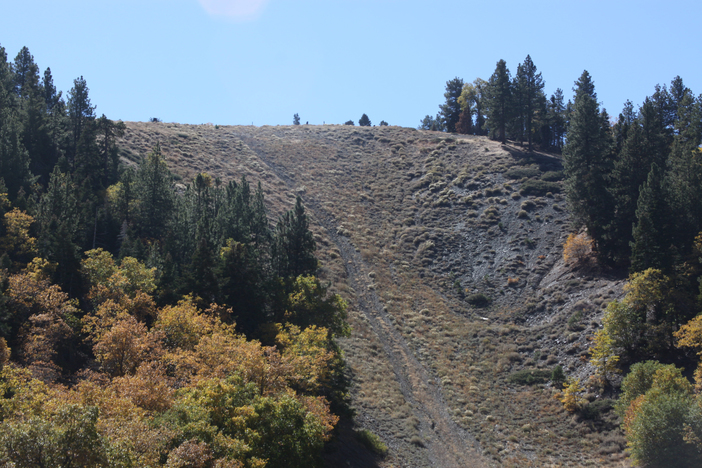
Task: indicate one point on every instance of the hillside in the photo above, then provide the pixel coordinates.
(448, 250)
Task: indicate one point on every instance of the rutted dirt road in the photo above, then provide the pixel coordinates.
(447, 445)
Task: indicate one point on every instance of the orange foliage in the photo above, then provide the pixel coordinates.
(577, 248)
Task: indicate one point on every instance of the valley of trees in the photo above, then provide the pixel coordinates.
(149, 323)
(145, 325)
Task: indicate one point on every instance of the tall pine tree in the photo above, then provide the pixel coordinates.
(499, 102)
(588, 163)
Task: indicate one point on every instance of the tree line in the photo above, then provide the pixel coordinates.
(145, 326)
(504, 107)
(634, 185)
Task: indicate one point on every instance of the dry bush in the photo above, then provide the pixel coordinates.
(577, 248)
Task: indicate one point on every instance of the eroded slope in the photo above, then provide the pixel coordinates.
(413, 227)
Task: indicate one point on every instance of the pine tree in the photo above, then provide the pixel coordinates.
(364, 121)
(152, 187)
(81, 113)
(588, 162)
(650, 247)
(556, 120)
(531, 87)
(499, 102)
(451, 109)
(294, 244)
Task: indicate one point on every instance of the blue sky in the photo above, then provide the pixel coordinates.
(238, 62)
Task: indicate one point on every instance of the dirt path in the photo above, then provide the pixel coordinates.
(447, 444)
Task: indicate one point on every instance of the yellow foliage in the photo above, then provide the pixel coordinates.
(602, 354)
(306, 351)
(128, 280)
(647, 291)
(17, 238)
(126, 345)
(690, 336)
(183, 325)
(570, 397)
(41, 269)
(577, 248)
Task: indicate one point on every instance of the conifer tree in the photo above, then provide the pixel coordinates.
(650, 247)
(451, 109)
(588, 162)
(556, 119)
(531, 87)
(153, 189)
(499, 102)
(294, 244)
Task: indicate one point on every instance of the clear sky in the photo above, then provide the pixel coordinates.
(238, 62)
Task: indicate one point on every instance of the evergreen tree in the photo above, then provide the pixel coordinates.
(296, 119)
(684, 178)
(643, 147)
(650, 247)
(59, 217)
(153, 189)
(242, 285)
(556, 120)
(294, 244)
(26, 74)
(530, 86)
(80, 114)
(588, 163)
(450, 111)
(432, 123)
(499, 102)
(364, 121)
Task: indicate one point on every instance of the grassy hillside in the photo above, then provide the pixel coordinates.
(448, 249)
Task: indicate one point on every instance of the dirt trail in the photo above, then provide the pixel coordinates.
(447, 444)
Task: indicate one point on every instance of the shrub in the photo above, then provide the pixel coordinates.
(552, 176)
(577, 248)
(571, 398)
(595, 409)
(557, 375)
(479, 300)
(530, 376)
(528, 205)
(372, 442)
(539, 187)
(522, 172)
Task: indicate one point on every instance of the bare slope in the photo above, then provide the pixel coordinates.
(412, 228)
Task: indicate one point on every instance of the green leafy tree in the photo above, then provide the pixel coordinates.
(474, 97)
(655, 422)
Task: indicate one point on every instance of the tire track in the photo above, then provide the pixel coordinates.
(447, 444)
